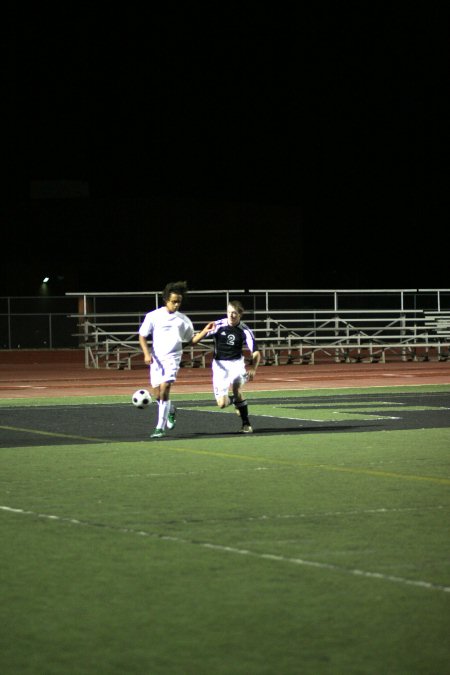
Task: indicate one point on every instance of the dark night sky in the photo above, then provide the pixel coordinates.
(307, 150)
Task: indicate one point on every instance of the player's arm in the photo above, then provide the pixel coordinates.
(256, 358)
(199, 336)
(144, 346)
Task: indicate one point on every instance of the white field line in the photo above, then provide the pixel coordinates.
(277, 417)
(370, 416)
(239, 551)
(352, 386)
(192, 473)
(355, 512)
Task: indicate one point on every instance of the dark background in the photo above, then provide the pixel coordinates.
(256, 149)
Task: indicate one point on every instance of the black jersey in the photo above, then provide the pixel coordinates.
(229, 341)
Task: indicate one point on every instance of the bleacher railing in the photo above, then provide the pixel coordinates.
(291, 326)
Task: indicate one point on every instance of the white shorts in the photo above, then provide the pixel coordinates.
(164, 370)
(225, 373)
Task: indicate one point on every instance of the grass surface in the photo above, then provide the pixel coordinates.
(279, 554)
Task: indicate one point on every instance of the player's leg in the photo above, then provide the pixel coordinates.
(221, 383)
(240, 402)
(171, 366)
(224, 401)
(167, 409)
(161, 386)
(163, 405)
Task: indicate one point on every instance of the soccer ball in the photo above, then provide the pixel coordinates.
(141, 398)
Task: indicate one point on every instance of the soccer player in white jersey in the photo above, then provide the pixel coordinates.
(171, 331)
(231, 337)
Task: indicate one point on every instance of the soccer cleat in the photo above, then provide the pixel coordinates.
(158, 433)
(171, 421)
(246, 429)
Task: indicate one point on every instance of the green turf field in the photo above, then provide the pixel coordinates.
(278, 554)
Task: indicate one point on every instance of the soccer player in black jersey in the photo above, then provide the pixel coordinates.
(231, 337)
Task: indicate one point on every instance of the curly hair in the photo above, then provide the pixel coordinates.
(178, 287)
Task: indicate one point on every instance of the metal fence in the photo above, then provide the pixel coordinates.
(38, 322)
(279, 316)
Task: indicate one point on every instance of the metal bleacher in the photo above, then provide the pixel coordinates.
(291, 326)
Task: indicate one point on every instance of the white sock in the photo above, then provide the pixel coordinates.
(163, 411)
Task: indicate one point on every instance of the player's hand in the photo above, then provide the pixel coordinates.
(251, 373)
(209, 326)
(148, 359)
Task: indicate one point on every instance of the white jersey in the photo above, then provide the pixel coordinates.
(168, 332)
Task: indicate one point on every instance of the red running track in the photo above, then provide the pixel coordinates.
(66, 375)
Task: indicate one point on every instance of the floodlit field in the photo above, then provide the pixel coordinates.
(319, 544)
